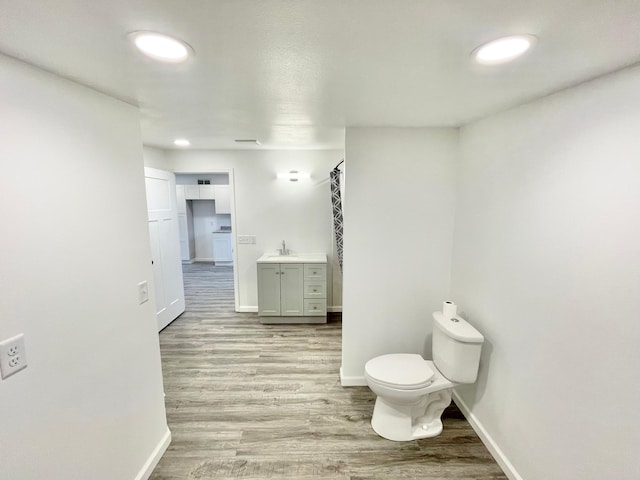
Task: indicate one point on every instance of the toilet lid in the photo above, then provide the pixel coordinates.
(400, 370)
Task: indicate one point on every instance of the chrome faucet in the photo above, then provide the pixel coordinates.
(283, 250)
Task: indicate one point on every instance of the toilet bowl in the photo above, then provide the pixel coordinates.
(413, 392)
(404, 409)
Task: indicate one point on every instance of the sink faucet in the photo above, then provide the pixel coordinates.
(283, 250)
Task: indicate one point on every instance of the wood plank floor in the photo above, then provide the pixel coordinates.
(252, 401)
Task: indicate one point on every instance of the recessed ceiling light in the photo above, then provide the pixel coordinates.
(181, 142)
(503, 49)
(161, 47)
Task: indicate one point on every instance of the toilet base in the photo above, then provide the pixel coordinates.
(402, 423)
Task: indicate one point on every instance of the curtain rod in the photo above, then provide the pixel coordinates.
(341, 162)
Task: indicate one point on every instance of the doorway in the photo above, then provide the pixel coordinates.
(206, 219)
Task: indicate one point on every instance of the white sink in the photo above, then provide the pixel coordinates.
(293, 258)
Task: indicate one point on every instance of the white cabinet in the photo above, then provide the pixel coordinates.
(223, 198)
(191, 192)
(206, 192)
(199, 192)
(222, 248)
(292, 293)
(184, 216)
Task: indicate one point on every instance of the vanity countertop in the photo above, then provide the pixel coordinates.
(274, 257)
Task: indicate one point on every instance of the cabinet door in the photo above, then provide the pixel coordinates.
(191, 192)
(291, 295)
(222, 251)
(223, 198)
(206, 192)
(269, 289)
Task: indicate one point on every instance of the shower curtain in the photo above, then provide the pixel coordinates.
(336, 203)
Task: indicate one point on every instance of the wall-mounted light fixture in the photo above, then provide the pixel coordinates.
(294, 176)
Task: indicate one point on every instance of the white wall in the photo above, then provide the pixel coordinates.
(399, 217)
(274, 210)
(155, 158)
(90, 403)
(547, 266)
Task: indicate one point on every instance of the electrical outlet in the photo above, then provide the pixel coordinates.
(143, 292)
(13, 356)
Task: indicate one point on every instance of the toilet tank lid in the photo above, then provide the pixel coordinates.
(458, 328)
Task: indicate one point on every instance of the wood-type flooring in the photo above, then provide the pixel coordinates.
(252, 401)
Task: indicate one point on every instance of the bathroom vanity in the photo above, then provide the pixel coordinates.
(292, 288)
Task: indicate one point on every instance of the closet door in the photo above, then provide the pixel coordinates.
(165, 245)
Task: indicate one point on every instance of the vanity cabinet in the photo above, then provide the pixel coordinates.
(292, 292)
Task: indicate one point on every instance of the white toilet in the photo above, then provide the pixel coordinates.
(413, 392)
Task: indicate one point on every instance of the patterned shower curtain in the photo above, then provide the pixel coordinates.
(336, 203)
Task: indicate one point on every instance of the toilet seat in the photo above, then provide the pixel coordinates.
(401, 371)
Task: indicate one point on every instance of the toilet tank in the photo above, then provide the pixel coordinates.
(456, 347)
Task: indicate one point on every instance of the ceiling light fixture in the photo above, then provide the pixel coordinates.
(161, 47)
(181, 142)
(503, 49)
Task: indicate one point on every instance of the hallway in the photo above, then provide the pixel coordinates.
(253, 401)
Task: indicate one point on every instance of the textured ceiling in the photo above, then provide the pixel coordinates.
(294, 73)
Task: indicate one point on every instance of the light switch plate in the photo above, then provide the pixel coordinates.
(247, 239)
(143, 292)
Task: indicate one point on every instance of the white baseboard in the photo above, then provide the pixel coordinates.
(147, 469)
(188, 262)
(247, 309)
(335, 309)
(202, 260)
(357, 381)
(488, 441)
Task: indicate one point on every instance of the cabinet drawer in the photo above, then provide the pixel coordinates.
(313, 271)
(315, 289)
(315, 307)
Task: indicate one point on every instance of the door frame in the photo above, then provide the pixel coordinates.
(234, 230)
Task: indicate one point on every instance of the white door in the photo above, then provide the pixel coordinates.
(165, 245)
